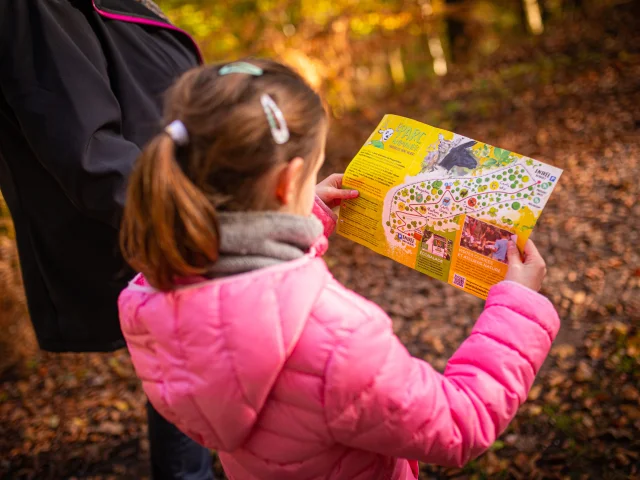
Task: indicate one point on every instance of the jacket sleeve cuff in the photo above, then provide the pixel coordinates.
(325, 215)
(527, 303)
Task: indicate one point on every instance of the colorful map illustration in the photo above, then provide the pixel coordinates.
(437, 202)
(442, 203)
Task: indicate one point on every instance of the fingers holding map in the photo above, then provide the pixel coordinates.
(442, 203)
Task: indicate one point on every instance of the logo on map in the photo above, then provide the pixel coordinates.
(407, 239)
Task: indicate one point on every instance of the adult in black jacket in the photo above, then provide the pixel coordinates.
(81, 85)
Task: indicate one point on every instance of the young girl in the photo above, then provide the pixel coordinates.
(243, 338)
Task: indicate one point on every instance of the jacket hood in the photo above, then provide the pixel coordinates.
(215, 349)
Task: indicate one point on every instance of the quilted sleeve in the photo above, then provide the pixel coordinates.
(325, 215)
(379, 398)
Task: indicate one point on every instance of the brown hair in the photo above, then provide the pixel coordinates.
(169, 227)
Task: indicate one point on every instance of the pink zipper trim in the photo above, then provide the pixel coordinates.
(145, 21)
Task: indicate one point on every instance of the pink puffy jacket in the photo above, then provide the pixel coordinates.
(289, 375)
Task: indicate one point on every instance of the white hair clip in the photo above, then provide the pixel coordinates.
(276, 120)
(178, 132)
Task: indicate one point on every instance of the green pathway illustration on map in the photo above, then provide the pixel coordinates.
(436, 202)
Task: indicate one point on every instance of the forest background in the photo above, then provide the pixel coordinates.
(557, 80)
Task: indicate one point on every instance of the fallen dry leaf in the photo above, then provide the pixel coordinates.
(563, 351)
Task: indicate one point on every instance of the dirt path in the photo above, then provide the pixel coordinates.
(573, 102)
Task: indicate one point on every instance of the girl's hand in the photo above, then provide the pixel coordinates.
(330, 191)
(529, 272)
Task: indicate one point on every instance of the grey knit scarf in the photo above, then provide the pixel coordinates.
(253, 240)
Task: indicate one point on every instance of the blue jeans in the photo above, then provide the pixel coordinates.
(174, 456)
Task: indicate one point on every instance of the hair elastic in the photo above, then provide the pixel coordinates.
(276, 120)
(178, 132)
(241, 67)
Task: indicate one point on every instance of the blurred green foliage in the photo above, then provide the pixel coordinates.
(354, 51)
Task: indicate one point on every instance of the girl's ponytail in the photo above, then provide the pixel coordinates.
(169, 226)
(215, 152)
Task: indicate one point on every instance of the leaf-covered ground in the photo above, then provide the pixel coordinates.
(571, 98)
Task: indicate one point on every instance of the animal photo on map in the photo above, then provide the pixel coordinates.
(485, 239)
(452, 157)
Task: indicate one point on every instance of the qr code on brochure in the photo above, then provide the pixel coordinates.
(458, 280)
